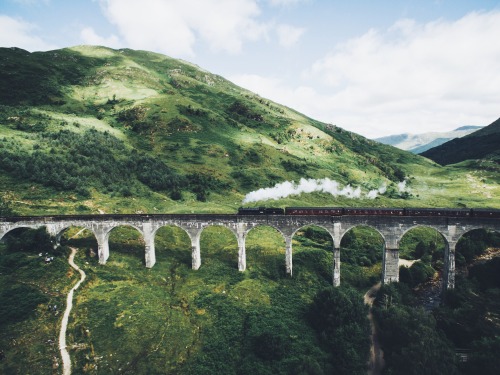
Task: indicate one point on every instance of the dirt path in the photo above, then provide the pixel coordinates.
(64, 324)
(376, 361)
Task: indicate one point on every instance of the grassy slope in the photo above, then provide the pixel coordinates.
(196, 123)
(173, 319)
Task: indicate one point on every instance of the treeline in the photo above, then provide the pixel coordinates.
(339, 317)
(475, 244)
(430, 253)
(70, 161)
(331, 337)
(409, 337)
(416, 341)
(326, 332)
(17, 256)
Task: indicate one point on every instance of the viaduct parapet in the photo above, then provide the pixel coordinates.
(391, 228)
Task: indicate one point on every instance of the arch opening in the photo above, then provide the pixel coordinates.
(476, 243)
(477, 260)
(219, 249)
(173, 246)
(81, 238)
(29, 240)
(361, 254)
(474, 300)
(126, 246)
(422, 262)
(313, 254)
(265, 249)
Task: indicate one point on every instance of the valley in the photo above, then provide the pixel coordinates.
(92, 130)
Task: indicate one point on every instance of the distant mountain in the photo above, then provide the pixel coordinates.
(481, 144)
(418, 143)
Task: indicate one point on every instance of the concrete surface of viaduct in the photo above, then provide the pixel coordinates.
(391, 228)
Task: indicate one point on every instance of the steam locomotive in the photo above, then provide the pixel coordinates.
(348, 211)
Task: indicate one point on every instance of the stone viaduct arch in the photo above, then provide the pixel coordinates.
(391, 228)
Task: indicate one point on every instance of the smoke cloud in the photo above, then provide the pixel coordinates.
(402, 186)
(325, 185)
(372, 194)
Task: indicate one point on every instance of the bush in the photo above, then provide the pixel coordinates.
(487, 274)
(420, 273)
(5, 207)
(484, 358)
(29, 240)
(411, 342)
(339, 318)
(269, 346)
(18, 303)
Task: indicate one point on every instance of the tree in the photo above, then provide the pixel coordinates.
(339, 317)
(405, 275)
(420, 249)
(29, 240)
(411, 342)
(484, 358)
(5, 208)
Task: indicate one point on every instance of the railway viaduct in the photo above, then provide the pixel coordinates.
(391, 228)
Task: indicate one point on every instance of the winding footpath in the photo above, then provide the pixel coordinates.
(376, 361)
(64, 324)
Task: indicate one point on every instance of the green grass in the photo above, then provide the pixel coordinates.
(177, 320)
(187, 319)
(174, 319)
(186, 118)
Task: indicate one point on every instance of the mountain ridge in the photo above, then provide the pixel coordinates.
(483, 144)
(92, 125)
(418, 143)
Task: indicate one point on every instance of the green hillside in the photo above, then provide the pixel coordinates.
(91, 129)
(482, 144)
(85, 127)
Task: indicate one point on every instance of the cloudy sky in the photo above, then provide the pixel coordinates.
(375, 67)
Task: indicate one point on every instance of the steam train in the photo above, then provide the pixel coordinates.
(348, 211)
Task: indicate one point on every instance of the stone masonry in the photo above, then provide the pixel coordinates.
(391, 228)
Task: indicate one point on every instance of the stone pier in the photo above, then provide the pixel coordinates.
(391, 229)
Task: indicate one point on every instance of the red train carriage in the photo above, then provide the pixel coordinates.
(374, 211)
(445, 212)
(481, 212)
(320, 211)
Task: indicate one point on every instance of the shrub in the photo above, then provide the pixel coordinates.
(18, 303)
(29, 240)
(339, 317)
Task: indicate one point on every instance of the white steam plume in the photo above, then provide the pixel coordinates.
(325, 185)
(402, 186)
(372, 194)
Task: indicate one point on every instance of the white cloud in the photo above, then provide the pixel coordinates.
(174, 26)
(89, 36)
(285, 3)
(412, 77)
(19, 33)
(416, 77)
(289, 35)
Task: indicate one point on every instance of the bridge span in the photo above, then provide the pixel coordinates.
(391, 228)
